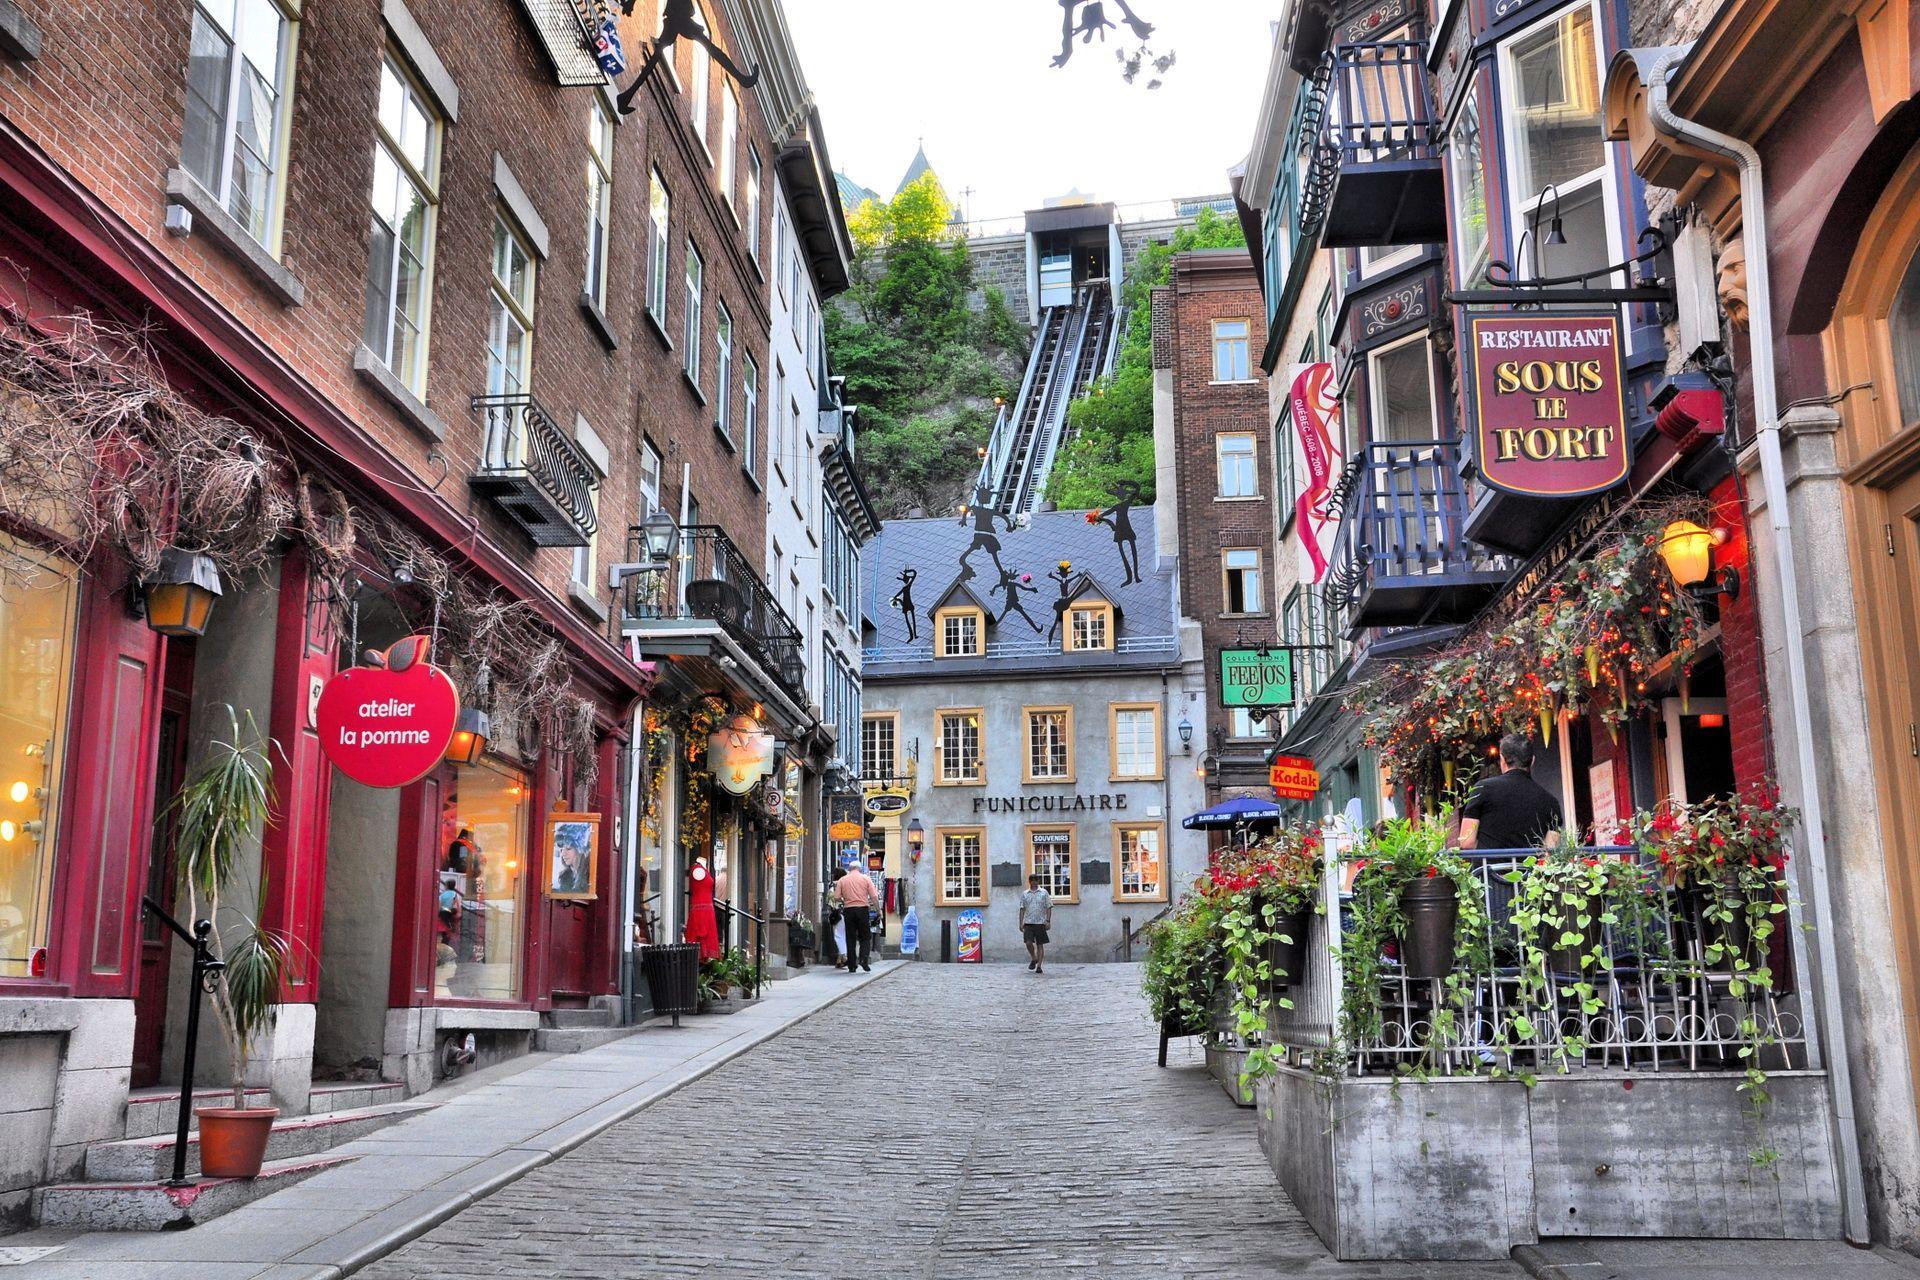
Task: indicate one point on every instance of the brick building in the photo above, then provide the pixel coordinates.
(466, 324)
(1211, 409)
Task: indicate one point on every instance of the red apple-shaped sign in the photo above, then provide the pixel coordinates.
(388, 725)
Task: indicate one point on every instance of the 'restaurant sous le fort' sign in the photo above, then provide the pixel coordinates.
(1549, 403)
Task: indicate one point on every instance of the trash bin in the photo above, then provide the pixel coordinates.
(672, 972)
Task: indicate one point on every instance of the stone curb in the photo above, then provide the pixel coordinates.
(408, 1221)
(1535, 1264)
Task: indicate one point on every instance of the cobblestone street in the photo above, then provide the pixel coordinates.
(947, 1121)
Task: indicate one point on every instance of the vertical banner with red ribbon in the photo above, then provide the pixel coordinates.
(1316, 418)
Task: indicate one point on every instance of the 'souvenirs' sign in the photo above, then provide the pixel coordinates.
(1549, 403)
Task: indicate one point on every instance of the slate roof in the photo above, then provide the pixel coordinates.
(1148, 635)
(852, 194)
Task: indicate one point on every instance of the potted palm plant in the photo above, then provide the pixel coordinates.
(216, 813)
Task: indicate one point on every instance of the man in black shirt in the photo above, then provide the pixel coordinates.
(1511, 811)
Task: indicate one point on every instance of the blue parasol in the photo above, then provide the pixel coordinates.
(1233, 813)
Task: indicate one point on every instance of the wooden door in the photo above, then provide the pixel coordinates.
(156, 940)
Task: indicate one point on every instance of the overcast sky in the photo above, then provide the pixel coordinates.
(973, 77)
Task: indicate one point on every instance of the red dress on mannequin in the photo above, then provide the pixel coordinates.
(702, 926)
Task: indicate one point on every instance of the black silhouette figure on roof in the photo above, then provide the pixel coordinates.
(1069, 587)
(903, 601)
(1011, 585)
(1118, 517)
(1093, 21)
(984, 516)
(682, 20)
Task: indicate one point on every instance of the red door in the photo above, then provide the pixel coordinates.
(568, 935)
(156, 942)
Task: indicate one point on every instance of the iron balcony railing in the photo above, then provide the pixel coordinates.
(1402, 557)
(711, 581)
(1376, 176)
(1127, 646)
(535, 472)
(1666, 992)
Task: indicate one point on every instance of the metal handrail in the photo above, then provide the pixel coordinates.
(1406, 517)
(1138, 646)
(729, 592)
(207, 969)
(522, 439)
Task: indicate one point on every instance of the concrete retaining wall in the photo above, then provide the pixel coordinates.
(1469, 1168)
(63, 1084)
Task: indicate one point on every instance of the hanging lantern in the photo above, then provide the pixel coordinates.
(470, 734)
(179, 597)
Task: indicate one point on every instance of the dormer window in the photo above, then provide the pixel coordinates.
(957, 632)
(1089, 627)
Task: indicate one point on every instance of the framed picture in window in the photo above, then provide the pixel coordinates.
(573, 856)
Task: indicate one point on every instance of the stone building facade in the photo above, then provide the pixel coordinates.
(1012, 749)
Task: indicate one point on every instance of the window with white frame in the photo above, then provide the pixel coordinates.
(1089, 627)
(1049, 744)
(659, 212)
(958, 733)
(599, 198)
(1137, 857)
(1050, 855)
(723, 366)
(879, 735)
(701, 89)
(1236, 461)
(1556, 144)
(963, 866)
(1232, 350)
(510, 315)
(1401, 378)
(586, 560)
(957, 632)
(651, 465)
(239, 79)
(749, 414)
(1135, 738)
(780, 248)
(753, 203)
(1466, 161)
(406, 187)
(730, 147)
(776, 418)
(1241, 724)
(690, 333)
(1240, 572)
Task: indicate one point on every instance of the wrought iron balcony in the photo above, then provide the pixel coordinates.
(1376, 175)
(534, 472)
(711, 581)
(1402, 558)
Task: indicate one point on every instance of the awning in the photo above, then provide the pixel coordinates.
(1232, 813)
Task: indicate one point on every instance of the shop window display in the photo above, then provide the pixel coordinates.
(483, 839)
(36, 659)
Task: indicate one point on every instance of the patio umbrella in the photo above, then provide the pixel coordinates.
(1235, 815)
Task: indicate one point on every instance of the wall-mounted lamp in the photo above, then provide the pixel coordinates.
(1688, 551)
(1185, 730)
(916, 838)
(659, 537)
(180, 595)
(470, 734)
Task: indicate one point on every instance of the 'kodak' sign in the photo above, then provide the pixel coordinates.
(1549, 403)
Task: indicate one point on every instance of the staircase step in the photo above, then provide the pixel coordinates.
(352, 1095)
(577, 1039)
(155, 1206)
(140, 1160)
(579, 1017)
(155, 1111)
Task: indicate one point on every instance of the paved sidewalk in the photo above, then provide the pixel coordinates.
(1712, 1260)
(418, 1173)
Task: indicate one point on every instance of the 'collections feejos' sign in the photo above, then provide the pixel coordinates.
(1256, 677)
(1550, 403)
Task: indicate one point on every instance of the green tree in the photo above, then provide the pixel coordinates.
(1110, 429)
(923, 359)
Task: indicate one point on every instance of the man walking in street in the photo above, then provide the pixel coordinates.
(1036, 913)
(1511, 811)
(857, 900)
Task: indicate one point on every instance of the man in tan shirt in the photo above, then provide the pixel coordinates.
(857, 900)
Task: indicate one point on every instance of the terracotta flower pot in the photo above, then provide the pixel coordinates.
(233, 1140)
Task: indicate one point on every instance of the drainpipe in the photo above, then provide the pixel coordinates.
(1773, 481)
